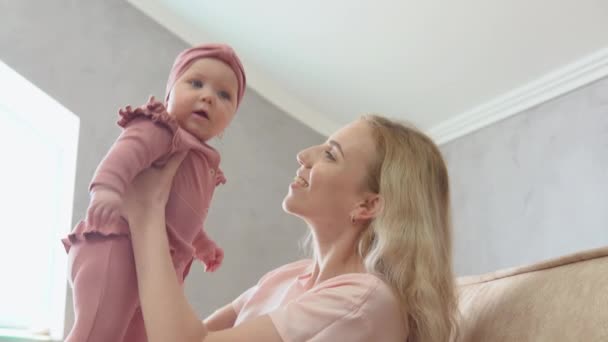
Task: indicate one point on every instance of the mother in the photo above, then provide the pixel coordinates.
(376, 199)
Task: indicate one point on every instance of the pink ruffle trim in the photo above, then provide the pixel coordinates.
(153, 109)
(220, 178)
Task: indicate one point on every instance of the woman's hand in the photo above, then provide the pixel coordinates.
(149, 191)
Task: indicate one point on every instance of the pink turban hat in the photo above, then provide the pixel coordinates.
(220, 52)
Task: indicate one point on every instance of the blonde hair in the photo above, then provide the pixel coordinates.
(410, 243)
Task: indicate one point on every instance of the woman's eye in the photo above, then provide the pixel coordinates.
(196, 83)
(329, 155)
(225, 95)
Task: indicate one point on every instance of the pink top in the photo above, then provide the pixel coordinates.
(150, 137)
(350, 307)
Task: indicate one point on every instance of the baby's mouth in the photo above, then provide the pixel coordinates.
(202, 114)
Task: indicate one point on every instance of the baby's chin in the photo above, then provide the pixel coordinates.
(199, 133)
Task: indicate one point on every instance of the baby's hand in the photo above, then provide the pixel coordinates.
(211, 255)
(104, 207)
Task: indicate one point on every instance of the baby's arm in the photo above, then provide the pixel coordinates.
(140, 144)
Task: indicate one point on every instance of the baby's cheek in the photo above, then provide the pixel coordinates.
(221, 124)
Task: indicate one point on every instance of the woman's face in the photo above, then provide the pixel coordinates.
(332, 178)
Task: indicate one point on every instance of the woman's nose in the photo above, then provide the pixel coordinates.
(303, 158)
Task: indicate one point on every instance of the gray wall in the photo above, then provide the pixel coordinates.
(95, 56)
(533, 186)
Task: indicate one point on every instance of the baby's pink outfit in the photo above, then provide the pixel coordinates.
(355, 307)
(102, 269)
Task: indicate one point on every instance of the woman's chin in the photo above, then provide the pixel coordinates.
(286, 205)
(290, 206)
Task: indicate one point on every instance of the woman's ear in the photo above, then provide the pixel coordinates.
(370, 208)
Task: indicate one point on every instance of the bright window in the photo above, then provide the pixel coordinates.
(38, 146)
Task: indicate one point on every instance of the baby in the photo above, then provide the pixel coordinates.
(204, 90)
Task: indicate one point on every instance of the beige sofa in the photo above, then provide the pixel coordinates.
(565, 299)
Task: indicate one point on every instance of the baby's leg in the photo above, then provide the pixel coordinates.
(104, 286)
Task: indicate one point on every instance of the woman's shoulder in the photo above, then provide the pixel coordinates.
(291, 270)
(268, 285)
(357, 304)
(363, 289)
(360, 289)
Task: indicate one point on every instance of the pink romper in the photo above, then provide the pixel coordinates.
(102, 270)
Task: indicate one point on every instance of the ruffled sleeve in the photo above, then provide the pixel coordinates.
(219, 177)
(147, 136)
(153, 110)
(201, 243)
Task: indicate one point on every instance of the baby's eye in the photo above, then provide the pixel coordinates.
(225, 95)
(329, 155)
(196, 83)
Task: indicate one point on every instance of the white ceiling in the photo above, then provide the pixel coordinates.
(431, 62)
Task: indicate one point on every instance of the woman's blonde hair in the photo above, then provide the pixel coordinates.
(410, 243)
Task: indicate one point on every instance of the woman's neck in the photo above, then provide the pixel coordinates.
(335, 254)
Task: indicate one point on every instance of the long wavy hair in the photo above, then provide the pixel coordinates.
(410, 243)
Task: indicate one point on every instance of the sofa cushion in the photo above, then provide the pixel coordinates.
(565, 299)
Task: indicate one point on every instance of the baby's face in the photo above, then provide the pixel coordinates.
(203, 100)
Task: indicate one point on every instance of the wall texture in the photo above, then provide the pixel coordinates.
(534, 186)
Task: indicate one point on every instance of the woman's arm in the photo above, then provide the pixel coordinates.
(223, 318)
(167, 314)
